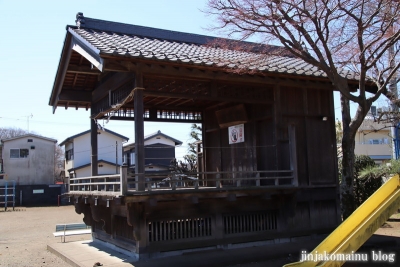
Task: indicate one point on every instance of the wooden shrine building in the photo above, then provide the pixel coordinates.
(267, 165)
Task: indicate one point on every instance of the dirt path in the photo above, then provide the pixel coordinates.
(25, 233)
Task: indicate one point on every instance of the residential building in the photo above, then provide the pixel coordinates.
(78, 153)
(28, 163)
(1, 160)
(29, 159)
(374, 140)
(159, 150)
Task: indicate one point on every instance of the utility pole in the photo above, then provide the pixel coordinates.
(27, 120)
(116, 157)
(394, 105)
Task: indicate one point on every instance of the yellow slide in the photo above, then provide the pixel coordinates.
(354, 231)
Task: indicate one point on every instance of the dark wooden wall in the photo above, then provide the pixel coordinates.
(266, 145)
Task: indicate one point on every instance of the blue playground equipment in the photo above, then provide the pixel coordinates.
(396, 141)
(7, 194)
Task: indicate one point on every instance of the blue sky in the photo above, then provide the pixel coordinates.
(32, 35)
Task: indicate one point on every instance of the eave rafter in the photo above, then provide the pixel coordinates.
(124, 76)
(75, 95)
(161, 69)
(82, 70)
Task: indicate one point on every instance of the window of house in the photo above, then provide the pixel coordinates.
(69, 154)
(23, 153)
(385, 141)
(19, 153)
(14, 153)
(375, 141)
(30, 140)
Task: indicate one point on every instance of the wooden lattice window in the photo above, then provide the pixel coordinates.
(253, 222)
(179, 229)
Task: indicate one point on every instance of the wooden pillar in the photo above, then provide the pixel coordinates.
(124, 179)
(277, 120)
(139, 132)
(142, 242)
(94, 148)
(293, 153)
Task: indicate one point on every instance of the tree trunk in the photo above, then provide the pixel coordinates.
(348, 144)
(347, 172)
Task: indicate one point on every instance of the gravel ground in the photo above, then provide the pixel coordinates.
(25, 233)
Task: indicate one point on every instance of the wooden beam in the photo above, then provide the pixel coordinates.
(293, 153)
(94, 148)
(62, 71)
(139, 132)
(114, 82)
(203, 97)
(83, 70)
(116, 66)
(212, 193)
(75, 95)
(221, 75)
(117, 118)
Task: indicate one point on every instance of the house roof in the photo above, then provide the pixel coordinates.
(89, 164)
(147, 137)
(370, 124)
(29, 135)
(380, 157)
(69, 139)
(153, 135)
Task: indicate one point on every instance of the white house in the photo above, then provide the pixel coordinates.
(1, 160)
(78, 153)
(159, 150)
(374, 140)
(29, 159)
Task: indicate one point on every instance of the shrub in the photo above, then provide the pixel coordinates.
(364, 185)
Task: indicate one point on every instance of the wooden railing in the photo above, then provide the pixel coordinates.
(96, 184)
(122, 184)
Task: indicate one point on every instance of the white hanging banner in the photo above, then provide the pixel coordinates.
(236, 134)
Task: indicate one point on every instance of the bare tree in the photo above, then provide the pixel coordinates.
(6, 133)
(58, 163)
(339, 37)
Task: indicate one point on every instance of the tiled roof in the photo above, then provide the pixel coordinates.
(118, 39)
